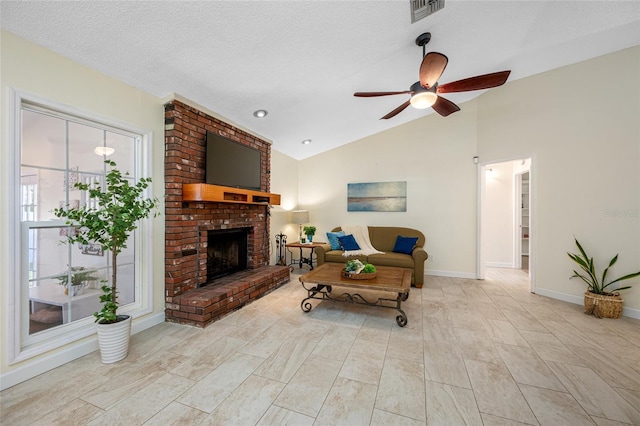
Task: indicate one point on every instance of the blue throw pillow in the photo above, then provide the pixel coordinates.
(348, 242)
(405, 244)
(333, 239)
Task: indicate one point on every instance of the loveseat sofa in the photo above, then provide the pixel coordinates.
(384, 239)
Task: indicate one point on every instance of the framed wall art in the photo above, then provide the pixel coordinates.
(377, 197)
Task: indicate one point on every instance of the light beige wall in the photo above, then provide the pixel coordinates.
(33, 69)
(284, 181)
(498, 215)
(435, 157)
(582, 123)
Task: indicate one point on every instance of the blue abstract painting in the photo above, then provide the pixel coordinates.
(377, 197)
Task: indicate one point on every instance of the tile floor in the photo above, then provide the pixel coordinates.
(474, 352)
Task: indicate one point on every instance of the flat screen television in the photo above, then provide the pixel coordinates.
(230, 163)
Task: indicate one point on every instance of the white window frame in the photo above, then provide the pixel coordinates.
(26, 183)
(20, 346)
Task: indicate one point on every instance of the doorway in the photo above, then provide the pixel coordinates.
(505, 231)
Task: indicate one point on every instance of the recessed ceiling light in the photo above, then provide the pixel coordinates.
(306, 141)
(261, 113)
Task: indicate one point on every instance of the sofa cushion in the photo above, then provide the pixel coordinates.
(348, 242)
(333, 239)
(405, 244)
(391, 259)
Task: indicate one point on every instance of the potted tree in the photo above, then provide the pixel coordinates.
(75, 279)
(109, 222)
(309, 231)
(599, 299)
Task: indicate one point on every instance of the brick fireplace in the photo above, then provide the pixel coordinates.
(190, 298)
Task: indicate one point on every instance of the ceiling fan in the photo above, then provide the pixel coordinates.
(426, 92)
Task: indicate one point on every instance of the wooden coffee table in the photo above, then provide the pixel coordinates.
(319, 284)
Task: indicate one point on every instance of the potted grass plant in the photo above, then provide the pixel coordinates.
(109, 222)
(601, 299)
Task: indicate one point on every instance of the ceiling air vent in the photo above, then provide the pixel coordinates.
(423, 8)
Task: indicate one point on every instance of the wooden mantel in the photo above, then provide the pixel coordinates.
(225, 194)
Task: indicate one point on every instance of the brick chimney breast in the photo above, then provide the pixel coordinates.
(186, 223)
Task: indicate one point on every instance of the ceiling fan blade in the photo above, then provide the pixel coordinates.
(485, 81)
(432, 67)
(372, 94)
(396, 111)
(444, 106)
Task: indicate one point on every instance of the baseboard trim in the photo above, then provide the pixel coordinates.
(500, 265)
(147, 322)
(452, 274)
(579, 300)
(31, 369)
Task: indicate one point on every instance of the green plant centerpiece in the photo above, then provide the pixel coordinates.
(109, 222)
(309, 231)
(76, 278)
(355, 269)
(601, 300)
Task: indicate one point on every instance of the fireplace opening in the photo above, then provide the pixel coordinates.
(226, 252)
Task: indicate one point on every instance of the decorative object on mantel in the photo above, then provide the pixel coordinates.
(300, 217)
(597, 300)
(310, 231)
(109, 222)
(356, 270)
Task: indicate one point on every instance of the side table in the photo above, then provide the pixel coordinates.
(303, 260)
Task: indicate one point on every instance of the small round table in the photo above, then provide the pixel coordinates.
(304, 260)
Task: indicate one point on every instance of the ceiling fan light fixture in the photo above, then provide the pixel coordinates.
(423, 100)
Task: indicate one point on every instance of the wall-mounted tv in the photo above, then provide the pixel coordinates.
(230, 163)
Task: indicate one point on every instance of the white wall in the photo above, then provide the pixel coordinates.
(498, 215)
(33, 69)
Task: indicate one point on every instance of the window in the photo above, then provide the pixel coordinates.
(57, 149)
(28, 210)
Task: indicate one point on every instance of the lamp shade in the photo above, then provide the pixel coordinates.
(300, 216)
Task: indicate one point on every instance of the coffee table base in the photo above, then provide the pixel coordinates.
(323, 292)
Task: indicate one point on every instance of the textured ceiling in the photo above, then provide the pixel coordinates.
(302, 60)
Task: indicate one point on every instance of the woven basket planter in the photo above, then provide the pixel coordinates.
(360, 276)
(602, 305)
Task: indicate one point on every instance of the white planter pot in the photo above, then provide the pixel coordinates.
(113, 340)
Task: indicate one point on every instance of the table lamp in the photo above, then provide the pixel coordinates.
(300, 217)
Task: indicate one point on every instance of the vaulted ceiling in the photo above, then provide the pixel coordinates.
(303, 60)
